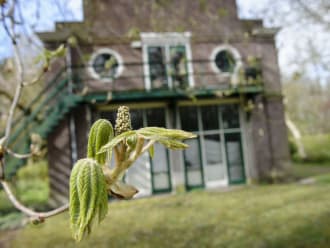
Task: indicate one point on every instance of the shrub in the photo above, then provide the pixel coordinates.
(317, 148)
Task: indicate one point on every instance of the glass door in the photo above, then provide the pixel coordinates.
(214, 164)
(160, 166)
(215, 157)
(194, 174)
(235, 161)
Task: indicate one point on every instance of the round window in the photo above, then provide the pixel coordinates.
(106, 65)
(225, 59)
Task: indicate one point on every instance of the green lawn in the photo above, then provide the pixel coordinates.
(305, 170)
(256, 216)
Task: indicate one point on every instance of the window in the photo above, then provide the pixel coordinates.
(167, 60)
(105, 65)
(225, 59)
(215, 157)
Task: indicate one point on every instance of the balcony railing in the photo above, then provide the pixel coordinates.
(137, 76)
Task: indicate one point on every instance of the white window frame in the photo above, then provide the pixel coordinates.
(233, 51)
(166, 40)
(97, 76)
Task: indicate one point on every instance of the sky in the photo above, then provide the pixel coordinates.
(291, 41)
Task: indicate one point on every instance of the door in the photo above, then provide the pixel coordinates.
(215, 157)
(210, 131)
(235, 160)
(194, 173)
(160, 166)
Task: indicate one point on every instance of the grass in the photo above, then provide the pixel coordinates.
(304, 170)
(262, 216)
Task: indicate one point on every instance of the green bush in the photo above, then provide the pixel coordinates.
(11, 221)
(30, 186)
(317, 148)
(37, 170)
(292, 146)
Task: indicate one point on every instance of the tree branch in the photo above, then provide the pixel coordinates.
(313, 14)
(27, 211)
(17, 155)
(10, 98)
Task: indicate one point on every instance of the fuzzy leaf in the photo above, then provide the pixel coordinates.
(115, 141)
(100, 134)
(156, 133)
(171, 138)
(173, 144)
(88, 196)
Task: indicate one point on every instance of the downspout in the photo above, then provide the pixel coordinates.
(73, 141)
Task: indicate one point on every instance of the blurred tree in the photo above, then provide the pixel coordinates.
(304, 58)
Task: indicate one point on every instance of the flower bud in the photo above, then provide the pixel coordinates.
(123, 121)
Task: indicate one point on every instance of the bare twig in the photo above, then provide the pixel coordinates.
(17, 95)
(27, 211)
(18, 155)
(35, 80)
(5, 26)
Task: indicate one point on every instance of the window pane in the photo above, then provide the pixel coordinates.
(235, 157)
(210, 117)
(161, 181)
(225, 61)
(188, 116)
(136, 118)
(230, 116)
(139, 175)
(157, 66)
(106, 65)
(215, 168)
(179, 66)
(156, 117)
(160, 159)
(160, 171)
(192, 159)
(109, 115)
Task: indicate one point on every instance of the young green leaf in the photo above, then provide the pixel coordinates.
(115, 141)
(156, 133)
(152, 151)
(100, 134)
(88, 196)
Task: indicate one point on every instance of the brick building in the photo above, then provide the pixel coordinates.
(182, 64)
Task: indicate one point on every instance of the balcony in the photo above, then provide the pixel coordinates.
(146, 81)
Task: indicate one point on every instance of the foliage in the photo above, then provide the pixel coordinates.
(88, 196)
(101, 133)
(308, 105)
(262, 216)
(317, 148)
(32, 184)
(31, 187)
(92, 179)
(11, 221)
(293, 148)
